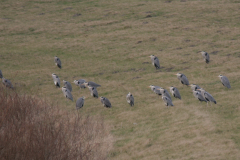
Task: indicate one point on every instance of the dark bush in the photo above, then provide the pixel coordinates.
(32, 129)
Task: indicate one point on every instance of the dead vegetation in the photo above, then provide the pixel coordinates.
(32, 129)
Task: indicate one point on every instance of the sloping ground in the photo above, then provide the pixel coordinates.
(109, 42)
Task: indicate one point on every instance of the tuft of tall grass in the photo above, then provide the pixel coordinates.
(32, 129)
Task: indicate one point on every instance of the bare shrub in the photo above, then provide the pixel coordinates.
(32, 129)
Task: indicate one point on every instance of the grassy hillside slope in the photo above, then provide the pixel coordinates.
(108, 42)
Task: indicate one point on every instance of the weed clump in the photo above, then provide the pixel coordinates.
(32, 129)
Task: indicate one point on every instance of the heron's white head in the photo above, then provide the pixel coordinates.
(85, 83)
(171, 87)
(220, 75)
(152, 87)
(200, 89)
(151, 56)
(196, 92)
(83, 97)
(178, 74)
(90, 87)
(63, 89)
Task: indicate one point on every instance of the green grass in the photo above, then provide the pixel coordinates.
(109, 42)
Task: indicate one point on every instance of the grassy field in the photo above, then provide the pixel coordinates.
(109, 42)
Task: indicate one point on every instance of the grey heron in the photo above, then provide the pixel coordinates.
(130, 99)
(58, 62)
(80, 102)
(199, 96)
(205, 56)
(165, 93)
(168, 102)
(208, 97)
(7, 83)
(93, 92)
(182, 78)
(224, 81)
(67, 93)
(175, 92)
(155, 90)
(155, 61)
(194, 87)
(91, 84)
(1, 75)
(67, 85)
(56, 80)
(105, 102)
(80, 83)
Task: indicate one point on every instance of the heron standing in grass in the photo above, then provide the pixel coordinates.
(93, 92)
(165, 93)
(199, 96)
(175, 92)
(56, 80)
(105, 102)
(1, 75)
(205, 56)
(155, 90)
(67, 85)
(91, 84)
(130, 99)
(208, 97)
(194, 87)
(224, 81)
(7, 83)
(80, 83)
(155, 61)
(67, 93)
(168, 102)
(80, 102)
(182, 78)
(58, 62)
